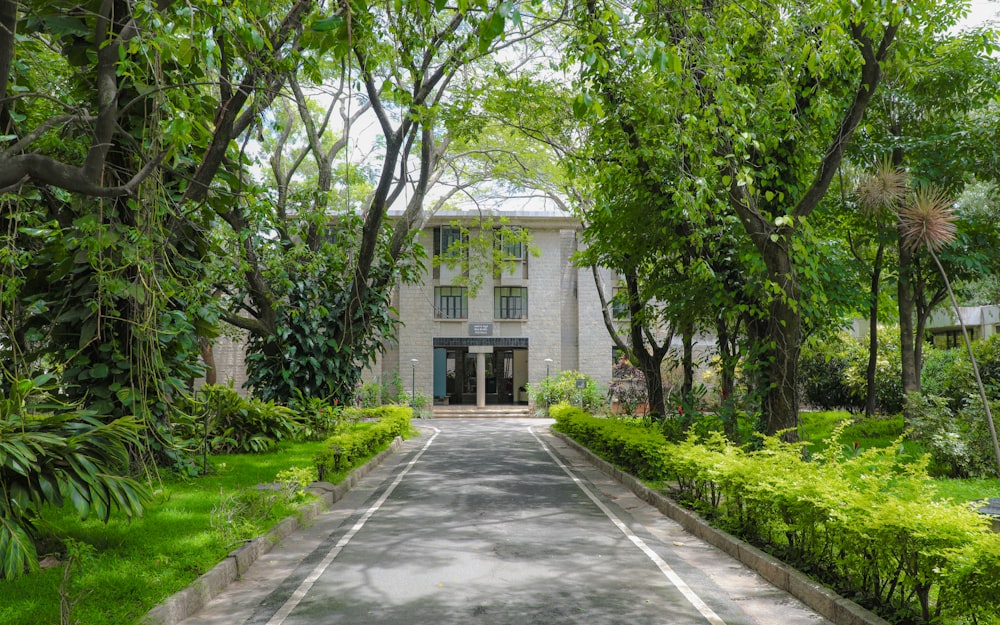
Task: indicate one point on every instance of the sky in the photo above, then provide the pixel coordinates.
(982, 11)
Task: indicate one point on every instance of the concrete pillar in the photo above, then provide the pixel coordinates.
(480, 380)
(480, 351)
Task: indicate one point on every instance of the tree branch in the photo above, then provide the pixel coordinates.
(871, 74)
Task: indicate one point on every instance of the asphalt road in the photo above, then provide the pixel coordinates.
(495, 522)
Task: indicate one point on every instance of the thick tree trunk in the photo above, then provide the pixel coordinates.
(783, 344)
(650, 367)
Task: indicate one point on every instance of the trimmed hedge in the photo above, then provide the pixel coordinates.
(868, 524)
(626, 443)
(378, 427)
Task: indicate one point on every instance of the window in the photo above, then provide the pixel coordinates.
(510, 302)
(445, 237)
(619, 303)
(451, 302)
(507, 243)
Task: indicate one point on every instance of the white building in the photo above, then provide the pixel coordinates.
(541, 316)
(980, 322)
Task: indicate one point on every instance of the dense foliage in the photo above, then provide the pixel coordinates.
(867, 523)
(946, 416)
(834, 373)
(188, 527)
(230, 423)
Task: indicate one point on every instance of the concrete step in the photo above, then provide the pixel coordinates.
(488, 412)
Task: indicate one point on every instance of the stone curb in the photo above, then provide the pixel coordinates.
(187, 602)
(810, 592)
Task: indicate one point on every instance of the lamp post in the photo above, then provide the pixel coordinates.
(413, 381)
(548, 361)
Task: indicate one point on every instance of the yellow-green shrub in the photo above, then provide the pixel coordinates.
(869, 523)
(376, 428)
(625, 442)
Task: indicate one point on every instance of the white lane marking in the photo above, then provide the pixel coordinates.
(300, 592)
(668, 572)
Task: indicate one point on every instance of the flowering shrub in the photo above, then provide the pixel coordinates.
(628, 388)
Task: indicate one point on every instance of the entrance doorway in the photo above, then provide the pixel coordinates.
(456, 376)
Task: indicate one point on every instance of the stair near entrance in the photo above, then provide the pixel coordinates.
(489, 412)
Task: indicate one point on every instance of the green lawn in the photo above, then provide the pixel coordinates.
(882, 432)
(136, 565)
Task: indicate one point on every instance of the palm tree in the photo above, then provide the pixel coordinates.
(879, 195)
(928, 220)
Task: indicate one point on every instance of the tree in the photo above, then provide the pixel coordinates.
(408, 59)
(929, 119)
(878, 194)
(927, 221)
(765, 98)
(117, 118)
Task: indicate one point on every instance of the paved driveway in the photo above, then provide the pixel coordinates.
(496, 523)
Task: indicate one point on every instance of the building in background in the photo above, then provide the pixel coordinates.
(944, 330)
(540, 316)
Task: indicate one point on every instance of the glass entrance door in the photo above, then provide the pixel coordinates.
(505, 376)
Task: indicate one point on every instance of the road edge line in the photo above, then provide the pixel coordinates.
(826, 602)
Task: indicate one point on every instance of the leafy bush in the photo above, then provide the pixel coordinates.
(866, 522)
(238, 425)
(295, 480)
(628, 443)
(561, 388)
(49, 460)
(347, 449)
(958, 440)
(386, 390)
(823, 369)
(834, 373)
(987, 353)
(947, 374)
(320, 420)
(246, 513)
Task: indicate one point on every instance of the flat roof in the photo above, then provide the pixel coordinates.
(552, 218)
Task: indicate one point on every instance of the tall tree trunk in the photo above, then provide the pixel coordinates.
(871, 397)
(650, 367)
(648, 358)
(687, 362)
(906, 300)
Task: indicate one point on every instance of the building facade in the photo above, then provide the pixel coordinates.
(945, 331)
(483, 346)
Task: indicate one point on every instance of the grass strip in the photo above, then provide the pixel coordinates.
(135, 565)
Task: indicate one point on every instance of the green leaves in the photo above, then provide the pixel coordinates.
(327, 24)
(895, 545)
(53, 459)
(492, 28)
